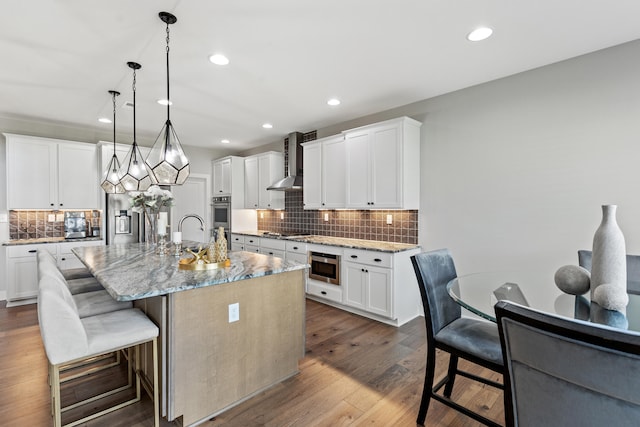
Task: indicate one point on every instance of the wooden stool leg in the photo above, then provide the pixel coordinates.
(57, 410)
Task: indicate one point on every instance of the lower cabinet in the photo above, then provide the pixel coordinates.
(368, 288)
(22, 266)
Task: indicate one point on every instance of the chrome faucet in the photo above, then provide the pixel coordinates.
(199, 218)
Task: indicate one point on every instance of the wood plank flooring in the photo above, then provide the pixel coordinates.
(356, 372)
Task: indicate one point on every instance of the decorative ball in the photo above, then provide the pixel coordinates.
(611, 297)
(573, 279)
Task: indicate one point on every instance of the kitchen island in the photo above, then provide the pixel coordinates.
(209, 360)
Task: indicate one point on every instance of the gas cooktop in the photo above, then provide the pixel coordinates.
(284, 234)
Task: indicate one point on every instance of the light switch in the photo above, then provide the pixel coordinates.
(4, 217)
(234, 312)
(389, 219)
(281, 215)
(326, 217)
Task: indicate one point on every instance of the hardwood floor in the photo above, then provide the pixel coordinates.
(356, 372)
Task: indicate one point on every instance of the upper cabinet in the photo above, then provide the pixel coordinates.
(45, 173)
(260, 171)
(370, 167)
(324, 173)
(384, 165)
(228, 179)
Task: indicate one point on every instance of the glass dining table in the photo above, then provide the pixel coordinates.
(479, 292)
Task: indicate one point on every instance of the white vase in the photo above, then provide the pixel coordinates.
(609, 263)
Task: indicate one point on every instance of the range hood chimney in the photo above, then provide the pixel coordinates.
(293, 180)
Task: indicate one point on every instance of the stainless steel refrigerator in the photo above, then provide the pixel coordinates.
(123, 225)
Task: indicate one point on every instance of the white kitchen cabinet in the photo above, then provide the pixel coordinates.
(45, 173)
(237, 242)
(383, 165)
(367, 281)
(297, 251)
(273, 247)
(324, 173)
(228, 179)
(22, 270)
(260, 171)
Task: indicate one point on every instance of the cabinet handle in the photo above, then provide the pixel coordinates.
(32, 251)
(354, 256)
(219, 191)
(323, 292)
(377, 260)
(295, 248)
(362, 269)
(51, 204)
(366, 271)
(270, 253)
(61, 204)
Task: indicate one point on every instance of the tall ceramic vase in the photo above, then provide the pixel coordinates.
(609, 262)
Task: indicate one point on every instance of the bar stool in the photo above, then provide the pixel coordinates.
(69, 339)
(76, 285)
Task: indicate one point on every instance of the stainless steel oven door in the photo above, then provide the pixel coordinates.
(324, 267)
(221, 217)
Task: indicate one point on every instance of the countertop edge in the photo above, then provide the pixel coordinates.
(46, 241)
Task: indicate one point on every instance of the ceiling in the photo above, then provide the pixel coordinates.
(59, 58)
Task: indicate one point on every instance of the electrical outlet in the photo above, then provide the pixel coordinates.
(326, 217)
(4, 217)
(59, 217)
(281, 215)
(234, 312)
(51, 218)
(389, 219)
(261, 215)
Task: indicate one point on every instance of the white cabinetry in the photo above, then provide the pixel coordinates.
(22, 271)
(237, 242)
(324, 173)
(260, 171)
(273, 247)
(367, 281)
(45, 173)
(383, 165)
(228, 179)
(297, 251)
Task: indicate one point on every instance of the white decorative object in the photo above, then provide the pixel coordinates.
(609, 263)
(573, 279)
(608, 296)
(177, 237)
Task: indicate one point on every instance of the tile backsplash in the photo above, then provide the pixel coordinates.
(36, 224)
(355, 224)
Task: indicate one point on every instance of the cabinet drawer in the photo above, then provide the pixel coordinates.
(297, 247)
(330, 292)
(237, 238)
(382, 259)
(272, 252)
(252, 248)
(277, 244)
(237, 246)
(21, 251)
(252, 240)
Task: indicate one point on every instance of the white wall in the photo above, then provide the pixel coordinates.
(514, 171)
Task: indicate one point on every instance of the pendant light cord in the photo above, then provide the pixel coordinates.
(114, 94)
(168, 97)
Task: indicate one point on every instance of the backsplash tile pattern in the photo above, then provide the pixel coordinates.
(354, 224)
(36, 225)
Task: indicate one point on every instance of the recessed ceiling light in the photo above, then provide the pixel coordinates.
(104, 120)
(333, 101)
(164, 102)
(267, 126)
(225, 141)
(219, 59)
(479, 34)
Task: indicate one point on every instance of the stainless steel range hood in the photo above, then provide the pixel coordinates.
(293, 180)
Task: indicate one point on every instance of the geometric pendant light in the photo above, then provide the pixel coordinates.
(110, 180)
(167, 162)
(133, 174)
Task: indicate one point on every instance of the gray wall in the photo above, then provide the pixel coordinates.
(514, 171)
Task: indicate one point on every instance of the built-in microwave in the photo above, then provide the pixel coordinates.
(324, 267)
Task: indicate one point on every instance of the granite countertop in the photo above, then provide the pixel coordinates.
(372, 245)
(48, 240)
(133, 271)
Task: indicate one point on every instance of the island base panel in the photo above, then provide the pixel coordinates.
(217, 364)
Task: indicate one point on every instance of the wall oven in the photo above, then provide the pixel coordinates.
(324, 267)
(221, 216)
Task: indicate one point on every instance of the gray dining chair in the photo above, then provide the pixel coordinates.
(565, 372)
(633, 269)
(474, 340)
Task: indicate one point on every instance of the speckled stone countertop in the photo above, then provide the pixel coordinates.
(372, 245)
(48, 240)
(133, 271)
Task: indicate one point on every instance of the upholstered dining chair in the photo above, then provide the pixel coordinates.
(474, 340)
(565, 372)
(633, 269)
